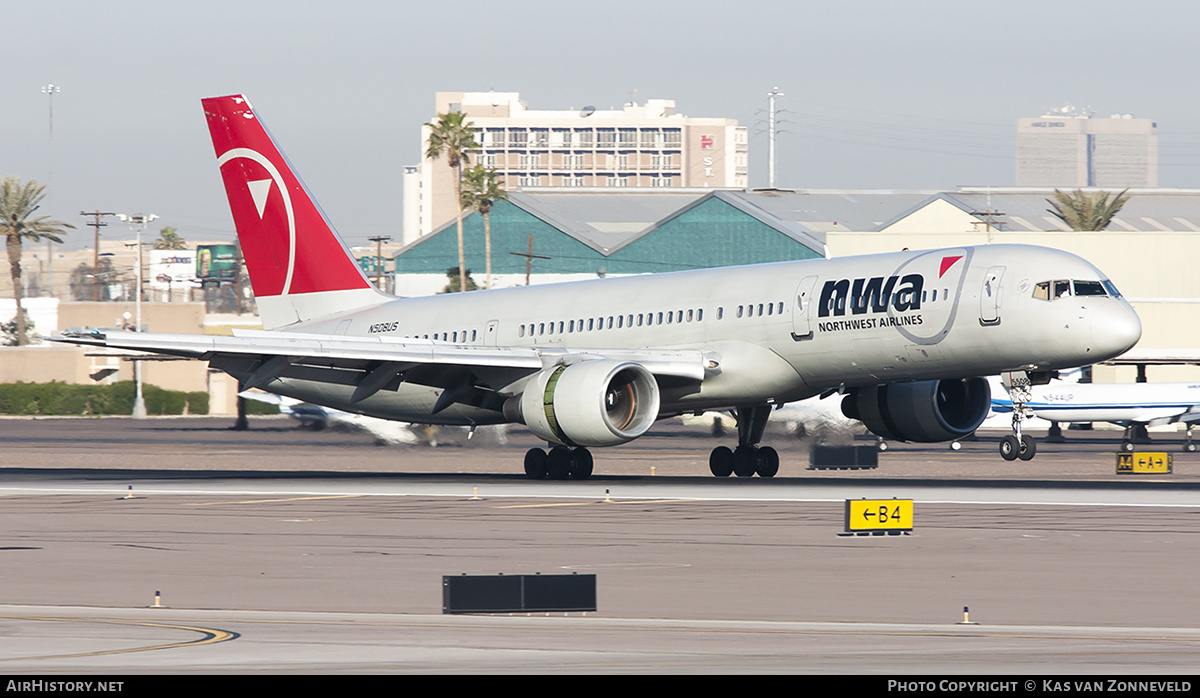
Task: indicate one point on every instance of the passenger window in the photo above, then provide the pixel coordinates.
(639, 319)
(700, 315)
(720, 313)
(690, 315)
(591, 326)
(760, 309)
(739, 314)
(780, 307)
(660, 318)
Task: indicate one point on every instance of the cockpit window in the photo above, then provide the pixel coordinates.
(1089, 288)
(1048, 290)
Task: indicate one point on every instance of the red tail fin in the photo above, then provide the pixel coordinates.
(289, 246)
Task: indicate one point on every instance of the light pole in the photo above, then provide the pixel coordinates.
(50, 91)
(137, 223)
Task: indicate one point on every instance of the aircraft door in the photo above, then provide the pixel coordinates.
(489, 335)
(989, 297)
(802, 310)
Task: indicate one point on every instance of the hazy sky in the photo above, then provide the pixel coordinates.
(879, 93)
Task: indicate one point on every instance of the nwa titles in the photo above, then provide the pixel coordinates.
(894, 301)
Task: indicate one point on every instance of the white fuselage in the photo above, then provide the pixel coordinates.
(773, 332)
(1125, 403)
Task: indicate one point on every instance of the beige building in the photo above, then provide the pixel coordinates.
(638, 145)
(48, 361)
(1072, 149)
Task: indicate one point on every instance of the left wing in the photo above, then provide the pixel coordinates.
(372, 364)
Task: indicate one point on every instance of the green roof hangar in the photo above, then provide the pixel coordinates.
(585, 235)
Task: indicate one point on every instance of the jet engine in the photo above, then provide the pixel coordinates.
(591, 403)
(924, 411)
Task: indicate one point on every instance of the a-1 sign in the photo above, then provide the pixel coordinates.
(879, 515)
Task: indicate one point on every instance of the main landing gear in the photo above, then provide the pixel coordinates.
(1018, 445)
(748, 458)
(559, 464)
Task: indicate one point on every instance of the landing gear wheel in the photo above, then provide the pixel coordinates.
(1189, 447)
(581, 464)
(1028, 448)
(768, 462)
(955, 445)
(535, 464)
(745, 460)
(881, 446)
(1010, 447)
(1127, 446)
(558, 463)
(720, 461)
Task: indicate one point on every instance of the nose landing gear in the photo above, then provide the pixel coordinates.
(1018, 445)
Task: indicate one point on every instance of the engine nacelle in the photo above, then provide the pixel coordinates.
(591, 403)
(923, 411)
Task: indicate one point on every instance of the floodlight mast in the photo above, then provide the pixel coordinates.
(138, 222)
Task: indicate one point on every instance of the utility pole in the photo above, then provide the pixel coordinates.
(529, 257)
(97, 224)
(379, 240)
(989, 214)
(771, 135)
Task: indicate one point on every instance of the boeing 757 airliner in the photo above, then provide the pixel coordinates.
(903, 338)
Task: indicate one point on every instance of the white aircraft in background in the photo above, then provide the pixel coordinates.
(385, 431)
(902, 337)
(1126, 404)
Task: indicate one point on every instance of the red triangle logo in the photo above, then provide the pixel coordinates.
(947, 262)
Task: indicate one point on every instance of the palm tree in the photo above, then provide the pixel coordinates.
(1091, 211)
(17, 204)
(481, 188)
(452, 135)
(169, 239)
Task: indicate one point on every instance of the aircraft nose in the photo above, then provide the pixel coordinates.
(1116, 328)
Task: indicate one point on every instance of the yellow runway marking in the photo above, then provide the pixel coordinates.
(211, 635)
(269, 501)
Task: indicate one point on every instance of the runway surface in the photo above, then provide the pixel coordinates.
(280, 550)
